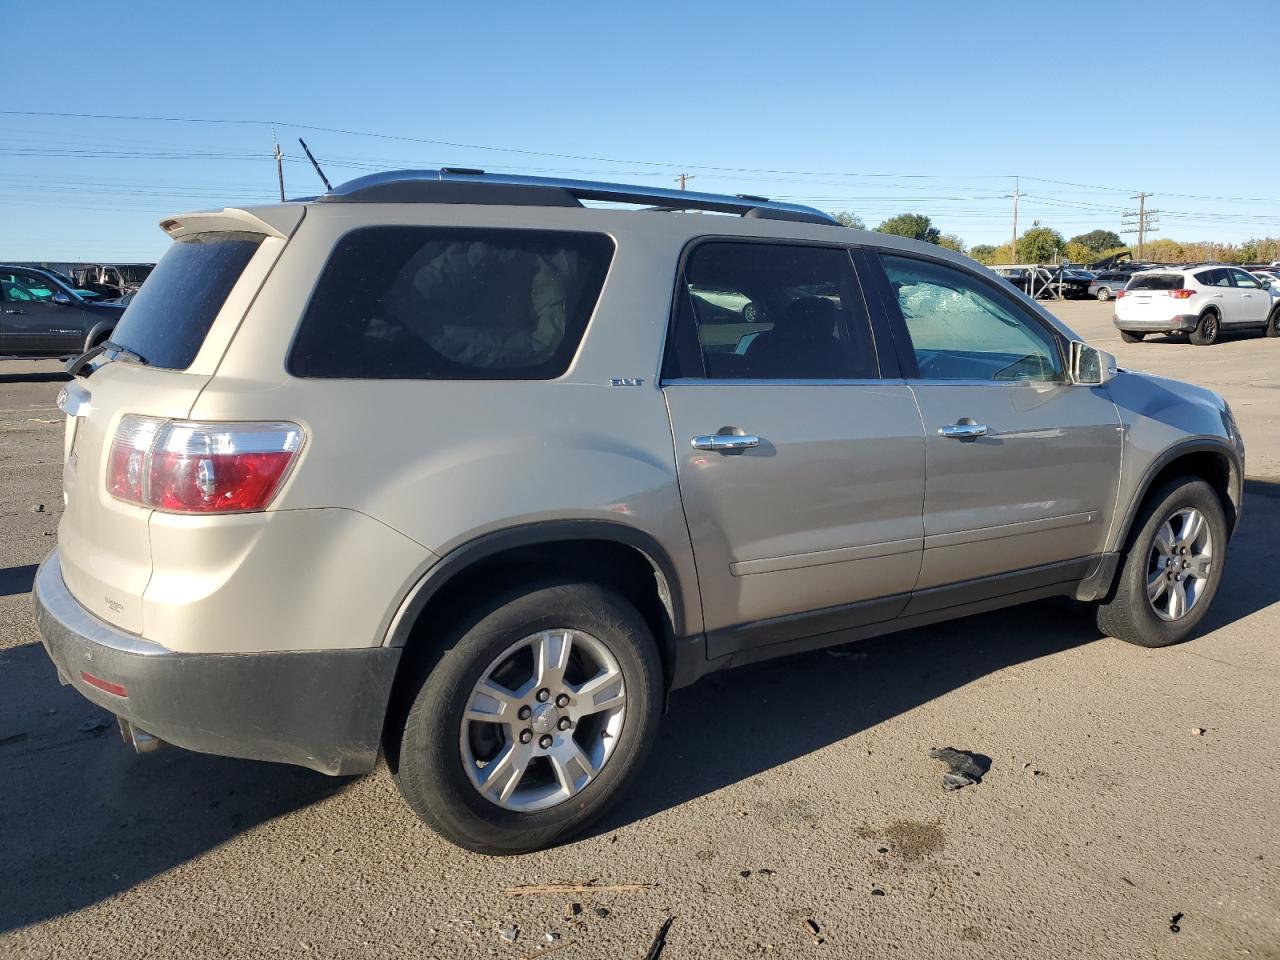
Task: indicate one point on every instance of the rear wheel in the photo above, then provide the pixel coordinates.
(534, 721)
(1128, 337)
(1206, 332)
(1172, 569)
(1272, 328)
(1103, 293)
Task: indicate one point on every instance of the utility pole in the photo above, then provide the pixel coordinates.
(1141, 221)
(1013, 244)
(279, 161)
(684, 178)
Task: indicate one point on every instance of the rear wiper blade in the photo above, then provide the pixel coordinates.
(109, 350)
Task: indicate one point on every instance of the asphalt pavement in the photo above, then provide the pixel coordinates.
(789, 810)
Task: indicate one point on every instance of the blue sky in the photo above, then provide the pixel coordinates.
(878, 108)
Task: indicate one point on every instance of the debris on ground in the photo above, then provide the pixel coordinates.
(36, 508)
(766, 872)
(659, 940)
(94, 724)
(13, 738)
(744, 873)
(602, 912)
(811, 927)
(509, 932)
(571, 910)
(877, 892)
(540, 951)
(536, 888)
(1197, 731)
(551, 936)
(966, 768)
(1175, 923)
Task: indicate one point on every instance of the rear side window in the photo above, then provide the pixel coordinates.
(1214, 278)
(168, 318)
(434, 303)
(1156, 281)
(762, 311)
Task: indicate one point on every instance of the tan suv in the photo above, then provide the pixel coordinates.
(452, 465)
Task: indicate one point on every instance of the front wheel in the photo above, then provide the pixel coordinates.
(1206, 332)
(1172, 569)
(1272, 328)
(1103, 294)
(535, 719)
(1128, 337)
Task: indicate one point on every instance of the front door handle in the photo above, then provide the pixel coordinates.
(15, 311)
(966, 429)
(726, 441)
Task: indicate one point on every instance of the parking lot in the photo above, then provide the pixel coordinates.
(789, 810)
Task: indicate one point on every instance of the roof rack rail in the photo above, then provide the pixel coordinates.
(466, 185)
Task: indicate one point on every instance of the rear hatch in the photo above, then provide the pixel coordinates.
(173, 335)
(1149, 296)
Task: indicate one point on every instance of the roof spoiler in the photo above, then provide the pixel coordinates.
(279, 220)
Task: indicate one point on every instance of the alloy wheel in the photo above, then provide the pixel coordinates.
(543, 720)
(1180, 563)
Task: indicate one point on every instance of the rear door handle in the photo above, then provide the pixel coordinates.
(963, 431)
(15, 311)
(726, 441)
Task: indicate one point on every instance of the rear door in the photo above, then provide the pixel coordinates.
(801, 468)
(1221, 293)
(180, 325)
(1022, 466)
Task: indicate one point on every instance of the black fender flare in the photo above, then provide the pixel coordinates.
(549, 532)
(100, 330)
(1235, 478)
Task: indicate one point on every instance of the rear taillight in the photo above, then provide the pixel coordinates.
(1120, 293)
(187, 467)
(1182, 294)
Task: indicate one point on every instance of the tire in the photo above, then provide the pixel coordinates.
(1132, 614)
(1128, 337)
(1103, 294)
(1207, 330)
(439, 763)
(1272, 329)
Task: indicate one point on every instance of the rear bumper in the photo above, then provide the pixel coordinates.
(1176, 324)
(322, 709)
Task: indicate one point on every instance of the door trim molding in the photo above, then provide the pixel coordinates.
(819, 558)
(1000, 531)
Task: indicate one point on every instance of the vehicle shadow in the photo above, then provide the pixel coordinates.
(16, 580)
(85, 818)
(35, 376)
(740, 723)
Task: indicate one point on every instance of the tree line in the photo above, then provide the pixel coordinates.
(1041, 244)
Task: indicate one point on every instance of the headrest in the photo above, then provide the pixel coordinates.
(809, 318)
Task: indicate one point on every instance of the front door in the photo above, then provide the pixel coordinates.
(801, 470)
(33, 322)
(1255, 302)
(1022, 466)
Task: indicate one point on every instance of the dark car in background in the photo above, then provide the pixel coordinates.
(41, 315)
(1043, 282)
(113, 280)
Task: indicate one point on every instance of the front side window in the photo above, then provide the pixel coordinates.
(764, 311)
(963, 330)
(20, 287)
(436, 303)
(1243, 279)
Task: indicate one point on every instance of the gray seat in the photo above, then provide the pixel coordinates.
(802, 346)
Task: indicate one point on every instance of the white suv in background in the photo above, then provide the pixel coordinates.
(1200, 300)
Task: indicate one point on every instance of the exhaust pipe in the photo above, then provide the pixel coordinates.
(140, 740)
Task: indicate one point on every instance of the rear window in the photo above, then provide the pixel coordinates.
(1156, 281)
(433, 303)
(169, 317)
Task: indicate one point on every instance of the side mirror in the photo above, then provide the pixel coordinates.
(1266, 284)
(1090, 367)
(61, 298)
